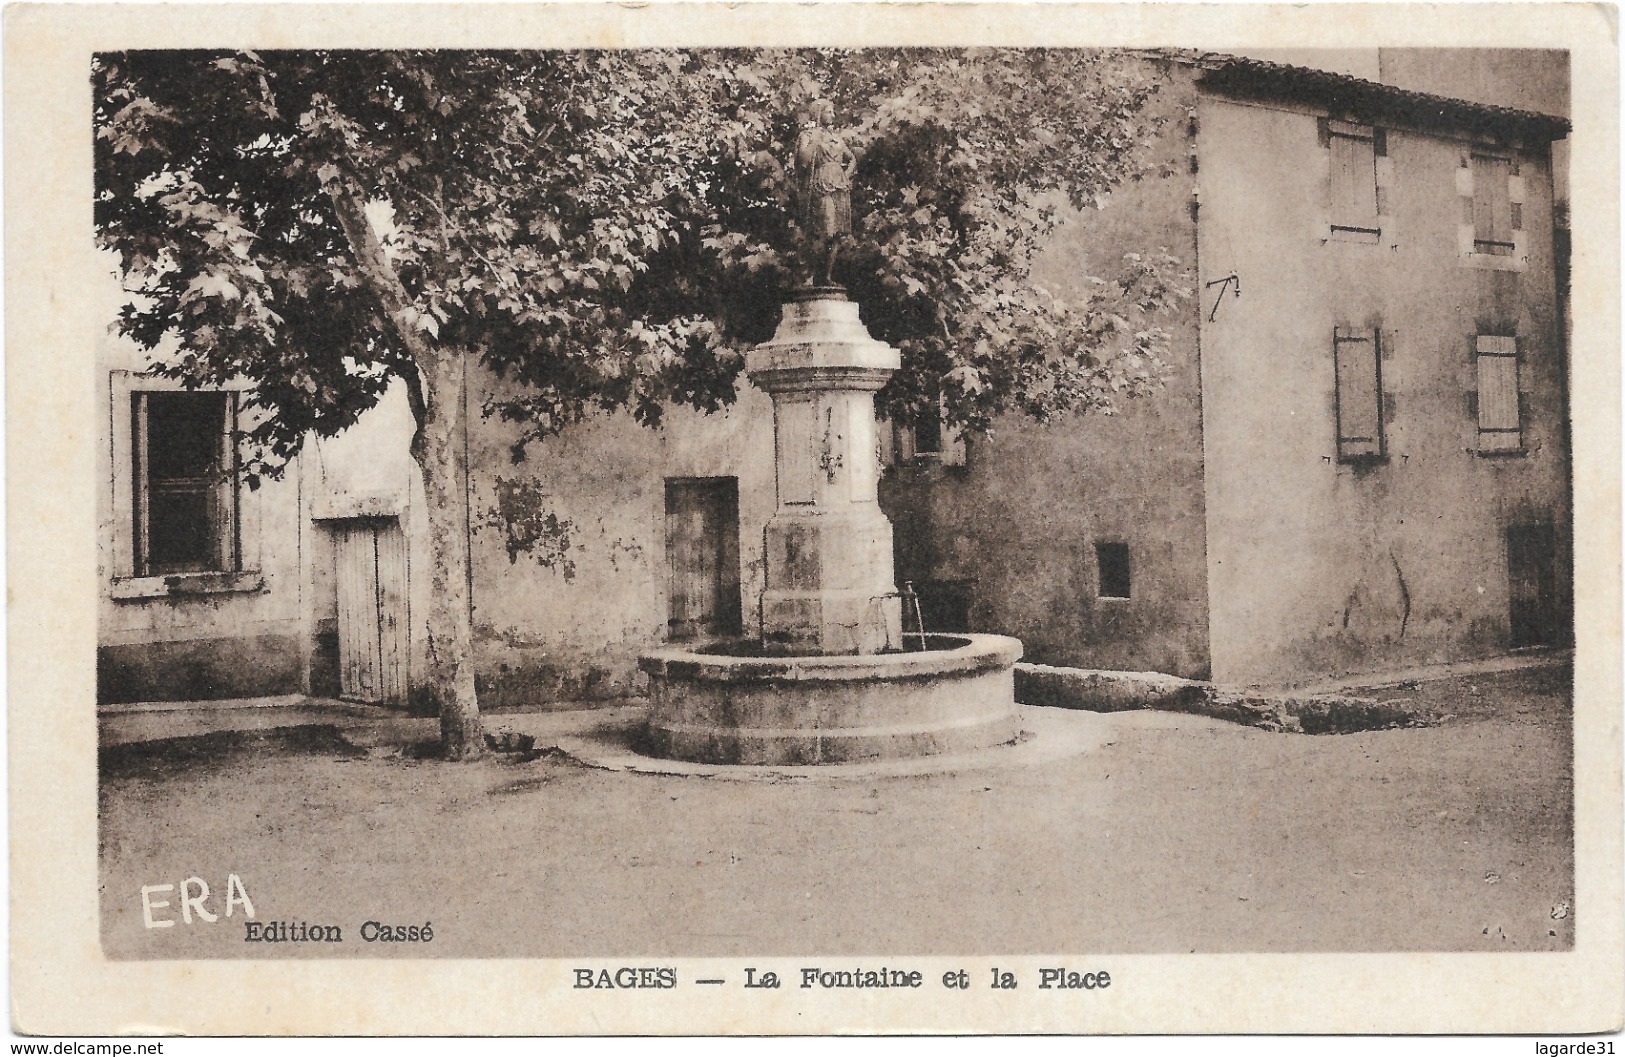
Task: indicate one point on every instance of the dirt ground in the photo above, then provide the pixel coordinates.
(1182, 834)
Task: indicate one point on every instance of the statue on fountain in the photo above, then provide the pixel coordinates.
(821, 182)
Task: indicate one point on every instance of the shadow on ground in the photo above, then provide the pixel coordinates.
(170, 757)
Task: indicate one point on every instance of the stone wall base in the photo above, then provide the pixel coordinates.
(1111, 691)
(199, 669)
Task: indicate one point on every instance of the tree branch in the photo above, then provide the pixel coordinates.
(446, 227)
(385, 284)
(414, 398)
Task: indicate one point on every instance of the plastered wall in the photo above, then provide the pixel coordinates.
(1020, 522)
(1318, 567)
(170, 638)
(565, 617)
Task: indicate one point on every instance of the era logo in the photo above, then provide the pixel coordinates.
(194, 899)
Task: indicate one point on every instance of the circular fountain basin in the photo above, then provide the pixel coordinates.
(956, 695)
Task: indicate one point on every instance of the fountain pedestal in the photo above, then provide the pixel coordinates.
(828, 548)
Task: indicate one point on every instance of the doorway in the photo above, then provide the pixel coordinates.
(373, 624)
(702, 556)
(1532, 585)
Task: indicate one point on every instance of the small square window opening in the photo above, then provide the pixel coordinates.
(928, 432)
(1112, 563)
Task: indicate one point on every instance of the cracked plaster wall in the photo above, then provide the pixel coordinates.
(1323, 568)
(1020, 521)
(564, 603)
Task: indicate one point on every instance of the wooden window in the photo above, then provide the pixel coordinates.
(1500, 416)
(1358, 365)
(1112, 568)
(185, 486)
(1354, 151)
(1492, 205)
(930, 440)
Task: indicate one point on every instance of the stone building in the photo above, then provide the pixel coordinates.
(214, 589)
(1359, 461)
(200, 577)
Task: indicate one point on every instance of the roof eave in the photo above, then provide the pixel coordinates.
(1375, 103)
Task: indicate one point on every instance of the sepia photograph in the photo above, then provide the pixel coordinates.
(839, 522)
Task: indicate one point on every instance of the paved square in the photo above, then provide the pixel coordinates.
(1152, 832)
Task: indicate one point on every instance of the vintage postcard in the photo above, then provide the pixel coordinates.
(582, 519)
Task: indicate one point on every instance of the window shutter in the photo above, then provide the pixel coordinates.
(138, 468)
(1500, 421)
(952, 439)
(1359, 393)
(903, 442)
(953, 447)
(1354, 179)
(1492, 205)
(227, 556)
(886, 443)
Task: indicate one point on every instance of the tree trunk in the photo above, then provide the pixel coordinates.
(437, 447)
(435, 391)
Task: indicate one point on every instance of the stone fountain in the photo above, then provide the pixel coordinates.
(829, 680)
(832, 678)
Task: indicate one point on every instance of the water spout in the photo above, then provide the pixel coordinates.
(911, 604)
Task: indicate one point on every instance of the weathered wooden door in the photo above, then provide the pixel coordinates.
(1532, 585)
(372, 603)
(702, 554)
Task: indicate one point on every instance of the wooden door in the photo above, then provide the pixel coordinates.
(702, 554)
(1532, 584)
(372, 611)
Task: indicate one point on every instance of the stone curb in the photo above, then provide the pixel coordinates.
(1115, 691)
(1043, 738)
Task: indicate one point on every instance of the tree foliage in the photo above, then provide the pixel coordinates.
(607, 229)
(603, 230)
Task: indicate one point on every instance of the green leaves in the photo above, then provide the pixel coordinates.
(608, 229)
